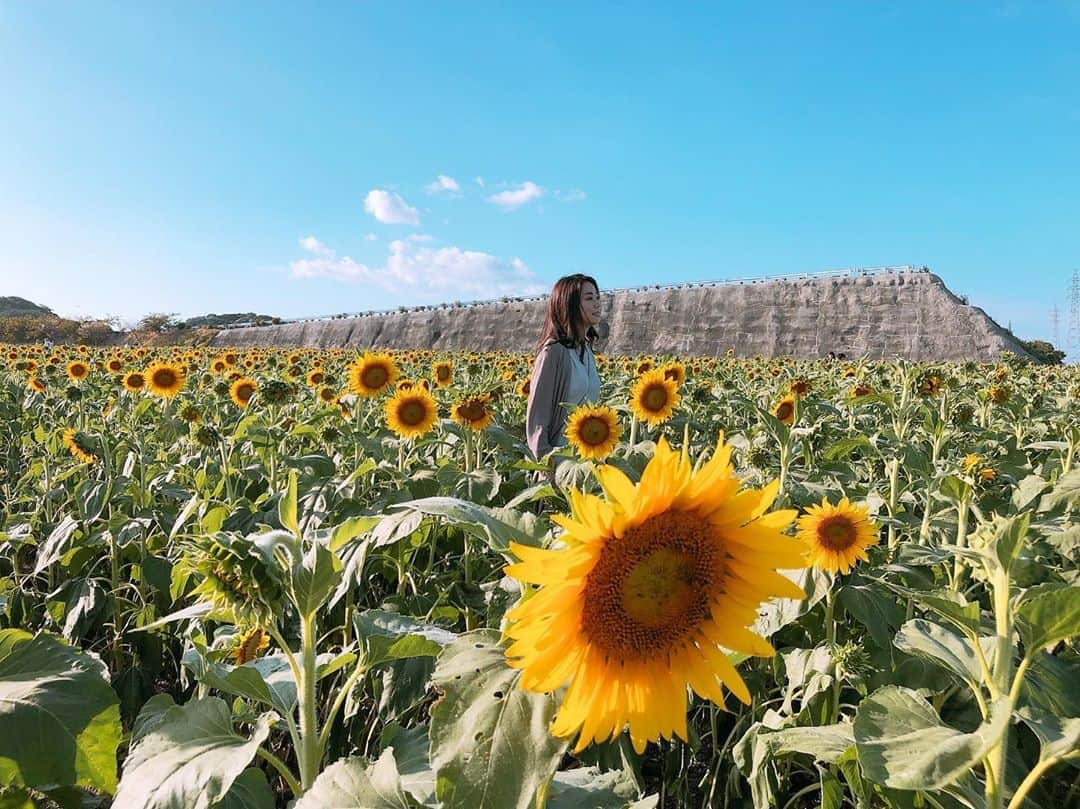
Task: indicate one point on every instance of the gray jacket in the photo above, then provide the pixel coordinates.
(545, 417)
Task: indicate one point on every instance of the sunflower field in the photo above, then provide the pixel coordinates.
(316, 578)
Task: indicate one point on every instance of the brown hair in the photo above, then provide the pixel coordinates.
(563, 322)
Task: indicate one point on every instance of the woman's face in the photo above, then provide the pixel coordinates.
(590, 305)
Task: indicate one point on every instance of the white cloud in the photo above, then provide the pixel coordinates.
(480, 181)
(412, 272)
(421, 237)
(516, 197)
(371, 237)
(313, 245)
(576, 195)
(389, 208)
(444, 184)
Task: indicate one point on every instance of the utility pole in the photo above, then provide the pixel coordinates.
(1055, 326)
(1074, 311)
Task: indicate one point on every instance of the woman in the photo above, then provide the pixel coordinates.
(564, 372)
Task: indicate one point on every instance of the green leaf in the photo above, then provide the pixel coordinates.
(1050, 685)
(60, 717)
(315, 579)
(1049, 617)
(779, 612)
(1026, 491)
(190, 760)
(1058, 736)
(496, 527)
(352, 784)
(390, 636)
(350, 529)
(873, 607)
(940, 644)
(1066, 492)
(287, 507)
(56, 545)
(902, 742)
(250, 791)
(589, 787)
(491, 747)
(268, 679)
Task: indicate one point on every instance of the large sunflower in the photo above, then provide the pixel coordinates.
(653, 397)
(593, 431)
(837, 536)
(411, 413)
(241, 391)
(652, 581)
(472, 412)
(165, 379)
(370, 374)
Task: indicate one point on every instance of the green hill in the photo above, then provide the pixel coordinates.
(20, 307)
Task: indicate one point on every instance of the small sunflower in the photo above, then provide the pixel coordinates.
(241, 391)
(593, 431)
(643, 367)
(35, 384)
(371, 374)
(79, 445)
(675, 371)
(134, 381)
(859, 391)
(165, 379)
(411, 413)
(799, 387)
(654, 397)
(326, 394)
(472, 412)
(649, 584)
(784, 411)
(999, 394)
(115, 365)
(929, 385)
(443, 373)
(316, 377)
(837, 536)
(77, 370)
(523, 388)
(249, 645)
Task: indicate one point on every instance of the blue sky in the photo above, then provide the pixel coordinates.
(285, 158)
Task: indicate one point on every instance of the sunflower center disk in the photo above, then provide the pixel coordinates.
(412, 413)
(375, 377)
(594, 431)
(837, 533)
(655, 398)
(650, 590)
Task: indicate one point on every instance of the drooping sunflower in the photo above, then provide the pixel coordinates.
(929, 385)
(785, 410)
(77, 370)
(165, 379)
(652, 580)
(79, 445)
(837, 536)
(35, 384)
(443, 373)
(472, 412)
(654, 397)
(411, 413)
(593, 431)
(799, 387)
(241, 391)
(370, 374)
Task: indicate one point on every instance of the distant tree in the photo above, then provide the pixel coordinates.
(158, 322)
(1044, 352)
(95, 332)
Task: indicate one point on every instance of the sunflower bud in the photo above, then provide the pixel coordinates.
(237, 576)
